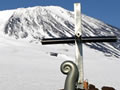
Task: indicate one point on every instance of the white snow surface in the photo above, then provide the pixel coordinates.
(25, 65)
(29, 66)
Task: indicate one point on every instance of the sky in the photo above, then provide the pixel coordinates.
(107, 11)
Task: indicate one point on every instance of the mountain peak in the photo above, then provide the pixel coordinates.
(35, 23)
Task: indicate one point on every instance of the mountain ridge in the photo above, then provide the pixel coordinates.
(35, 23)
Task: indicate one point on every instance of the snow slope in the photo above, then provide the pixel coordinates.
(34, 23)
(4, 17)
(25, 65)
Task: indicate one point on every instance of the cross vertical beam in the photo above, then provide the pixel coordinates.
(78, 43)
(70, 83)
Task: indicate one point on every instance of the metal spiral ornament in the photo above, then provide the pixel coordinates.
(70, 68)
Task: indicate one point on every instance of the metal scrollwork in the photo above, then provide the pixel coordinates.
(70, 68)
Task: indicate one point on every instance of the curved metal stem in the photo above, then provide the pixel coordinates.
(70, 68)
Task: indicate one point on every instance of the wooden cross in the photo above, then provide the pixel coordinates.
(78, 40)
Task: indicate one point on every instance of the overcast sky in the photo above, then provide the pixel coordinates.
(105, 10)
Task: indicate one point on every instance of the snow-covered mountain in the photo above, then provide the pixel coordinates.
(25, 65)
(40, 22)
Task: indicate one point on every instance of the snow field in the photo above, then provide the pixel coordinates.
(28, 66)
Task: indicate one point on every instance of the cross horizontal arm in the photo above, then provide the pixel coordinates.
(83, 40)
(58, 40)
(99, 39)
